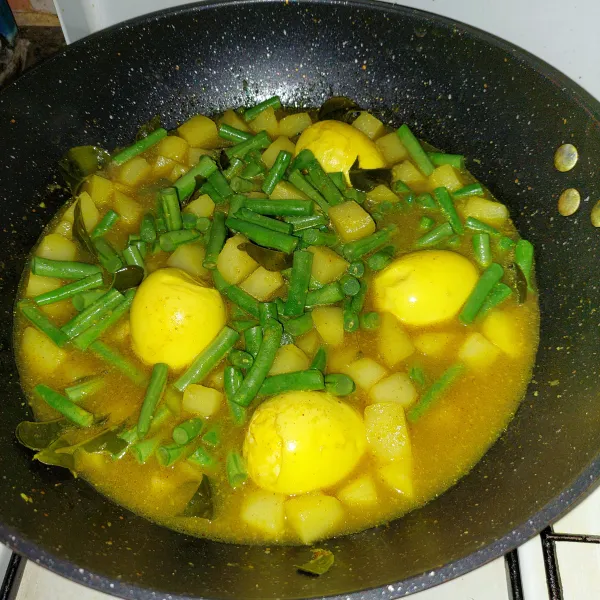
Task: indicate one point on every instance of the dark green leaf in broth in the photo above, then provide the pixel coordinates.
(367, 179)
(520, 285)
(201, 503)
(128, 277)
(80, 162)
(271, 260)
(40, 435)
(108, 442)
(224, 161)
(339, 108)
(53, 456)
(80, 233)
(320, 563)
(147, 128)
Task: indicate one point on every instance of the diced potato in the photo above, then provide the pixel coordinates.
(409, 174)
(200, 132)
(100, 189)
(201, 400)
(294, 124)
(56, 247)
(478, 352)
(203, 206)
(392, 148)
(232, 119)
(188, 258)
(40, 352)
(365, 372)
(65, 229)
(387, 432)
(351, 221)
(58, 311)
(434, 343)
(329, 323)
(195, 154)
(289, 358)
(264, 512)
(266, 121)
(382, 193)
(162, 166)
(314, 516)
(395, 388)
(281, 143)
(37, 285)
(217, 377)
(129, 210)
(327, 265)
(262, 284)
(501, 328)
(235, 265)
(309, 342)
(393, 343)
(286, 191)
(493, 213)
(359, 493)
(445, 176)
(177, 171)
(89, 211)
(339, 360)
(121, 187)
(134, 171)
(173, 147)
(371, 126)
(399, 476)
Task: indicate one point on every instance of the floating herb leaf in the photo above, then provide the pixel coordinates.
(53, 456)
(80, 233)
(339, 108)
(520, 285)
(224, 161)
(39, 435)
(128, 277)
(321, 562)
(201, 503)
(367, 179)
(147, 128)
(108, 442)
(79, 163)
(271, 260)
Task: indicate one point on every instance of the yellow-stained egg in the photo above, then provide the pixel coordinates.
(300, 442)
(425, 287)
(337, 145)
(174, 317)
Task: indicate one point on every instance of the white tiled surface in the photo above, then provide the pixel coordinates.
(565, 35)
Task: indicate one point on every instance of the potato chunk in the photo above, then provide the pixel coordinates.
(200, 132)
(234, 264)
(314, 516)
(56, 247)
(351, 221)
(493, 213)
(371, 126)
(309, 342)
(100, 190)
(409, 174)
(393, 343)
(39, 352)
(478, 352)
(37, 284)
(500, 328)
(271, 153)
(265, 121)
(359, 493)
(289, 358)
(189, 258)
(329, 323)
(286, 191)
(445, 176)
(395, 388)
(129, 210)
(292, 125)
(392, 148)
(434, 343)
(327, 265)
(173, 147)
(264, 512)
(134, 171)
(203, 206)
(399, 476)
(387, 432)
(262, 284)
(202, 400)
(365, 372)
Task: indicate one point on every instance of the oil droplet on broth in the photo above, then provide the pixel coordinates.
(565, 158)
(569, 202)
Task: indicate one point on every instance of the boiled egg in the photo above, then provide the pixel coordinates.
(300, 442)
(173, 318)
(426, 287)
(337, 145)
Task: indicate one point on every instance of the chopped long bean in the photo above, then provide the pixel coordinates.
(241, 359)
(171, 210)
(109, 258)
(310, 380)
(85, 299)
(415, 150)
(187, 431)
(267, 222)
(299, 325)
(323, 184)
(358, 300)
(319, 360)
(132, 256)
(232, 134)
(64, 406)
(426, 223)
(112, 357)
(356, 268)
(186, 184)
(87, 317)
(476, 225)
(144, 449)
(280, 208)
(266, 311)
(208, 359)
(355, 250)
(154, 392)
(299, 181)
(262, 364)
(236, 295)
(471, 189)
(481, 249)
(314, 237)
(141, 146)
(436, 235)
(168, 454)
(447, 205)
(489, 278)
(236, 469)
(381, 259)
(298, 289)
(216, 240)
(258, 142)
(304, 158)
(62, 269)
(524, 260)
(87, 387)
(148, 229)
(263, 237)
(440, 158)
(369, 320)
(308, 222)
(328, 294)
(253, 339)
(171, 240)
(426, 201)
(277, 171)
(350, 285)
(339, 384)
(251, 113)
(499, 293)
(434, 392)
(351, 319)
(208, 188)
(235, 168)
(232, 380)
(202, 458)
(220, 183)
(69, 290)
(105, 224)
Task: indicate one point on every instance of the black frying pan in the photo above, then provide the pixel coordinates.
(461, 89)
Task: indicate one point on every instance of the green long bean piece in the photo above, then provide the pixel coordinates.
(86, 388)
(436, 235)
(258, 142)
(253, 339)
(280, 208)
(266, 311)
(471, 189)
(232, 380)
(328, 294)
(298, 288)
(440, 158)
(499, 293)
(168, 454)
(310, 380)
(308, 222)
(64, 406)
(187, 431)
(85, 299)
(339, 384)
(144, 449)
(236, 469)
(482, 249)
(87, 317)
(109, 258)
(323, 184)
(208, 359)
(220, 183)
(272, 334)
(42, 323)
(356, 268)
(171, 211)
(252, 113)
(358, 300)
(133, 256)
(355, 250)
(105, 224)
(267, 222)
(236, 295)
(62, 269)
(232, 134)
(216, 240)
(524, 260)
(381, 259)
(277, 171)
(148, 229)
(299, 181)
(69, 290)
(299, 325)
(186, 184)
(314, 237)
(435, 391)
(154, 392)
(135, 149)
(415, 150)
(241, 359)
(476, 225)
(263, 237)
(489, 278)
(114, 358)
(171, 240)
(202, 458)
(447, 205)
(351, 319)
(235, 168)
(369, 320)
(319, 360)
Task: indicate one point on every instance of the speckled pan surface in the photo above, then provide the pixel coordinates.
(461, 89)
